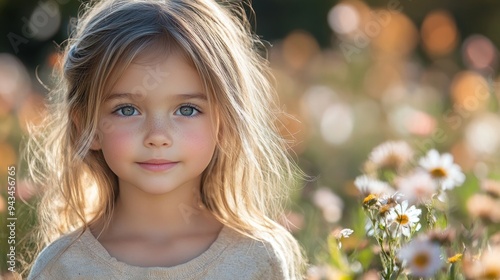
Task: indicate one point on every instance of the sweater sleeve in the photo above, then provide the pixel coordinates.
(255, 260)
(45, 266)
(277, 268)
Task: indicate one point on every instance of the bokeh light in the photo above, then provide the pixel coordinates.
(479, 52)
(31, 111)
(410, 121)
(299, 47)
(330, 203)
(14, 83)
(9, 157)
(316, 100)
(344, 18)
(483, 134)
(398, 37)
(470, 91)
(337, 123)
(24, 190)
(439, 33)
(45, 20)
(54, 60)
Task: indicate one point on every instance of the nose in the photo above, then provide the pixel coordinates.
(158, 132)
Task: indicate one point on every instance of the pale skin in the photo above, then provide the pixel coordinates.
(159, 138)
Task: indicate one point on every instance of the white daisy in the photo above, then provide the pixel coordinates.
(367, 185)
(442, 169)
(392, 154)
(390, 199)
(403, 219)
(341, 234)
(345, 233)
(422, 257)
(417, 187)
(387, 202)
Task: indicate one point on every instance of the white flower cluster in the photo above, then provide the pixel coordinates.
(393, 185)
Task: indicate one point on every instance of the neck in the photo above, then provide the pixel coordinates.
(174, 213)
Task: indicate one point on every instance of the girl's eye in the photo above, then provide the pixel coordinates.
(187, 111)
(126, 111)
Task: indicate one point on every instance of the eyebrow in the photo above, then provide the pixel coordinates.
(128, 95)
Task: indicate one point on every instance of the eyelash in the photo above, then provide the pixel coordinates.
(196, 108)
(120, 107)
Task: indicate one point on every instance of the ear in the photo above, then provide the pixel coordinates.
(96, 138)
(96, 144)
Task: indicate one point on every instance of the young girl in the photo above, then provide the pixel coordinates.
(161, 157)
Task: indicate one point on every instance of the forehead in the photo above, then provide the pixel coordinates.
(156, 76)
(161, 50)
(150, 66)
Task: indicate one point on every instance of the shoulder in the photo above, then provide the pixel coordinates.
(50, 253)
(69, 255)
(257, 257)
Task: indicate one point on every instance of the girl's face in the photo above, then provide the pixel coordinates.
(156, 130)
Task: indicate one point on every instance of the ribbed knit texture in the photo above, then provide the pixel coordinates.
(231, 256)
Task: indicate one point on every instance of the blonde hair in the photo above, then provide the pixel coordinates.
(250, 174)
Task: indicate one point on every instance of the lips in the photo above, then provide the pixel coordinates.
(157, 165)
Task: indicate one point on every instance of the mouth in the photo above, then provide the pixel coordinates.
(157, 165)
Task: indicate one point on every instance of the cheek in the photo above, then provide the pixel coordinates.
(200, 142)
(117, 142)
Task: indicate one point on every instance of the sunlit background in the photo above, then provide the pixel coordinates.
(353, 74)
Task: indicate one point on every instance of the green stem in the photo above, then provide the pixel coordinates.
(430, 217)
(452, 272)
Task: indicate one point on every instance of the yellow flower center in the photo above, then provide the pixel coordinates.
(421, 260)
(370, 200)
(403, 219)
(455, 258)
(438, 173)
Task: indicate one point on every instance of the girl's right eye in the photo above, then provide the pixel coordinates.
(126, 111)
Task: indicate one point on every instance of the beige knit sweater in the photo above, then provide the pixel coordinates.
(231, 256)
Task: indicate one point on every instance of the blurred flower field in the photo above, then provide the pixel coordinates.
(402, 150)
(396, 124)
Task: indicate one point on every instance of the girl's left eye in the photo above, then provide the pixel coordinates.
(187, 111)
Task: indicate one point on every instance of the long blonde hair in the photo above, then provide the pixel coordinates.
(250, 174)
